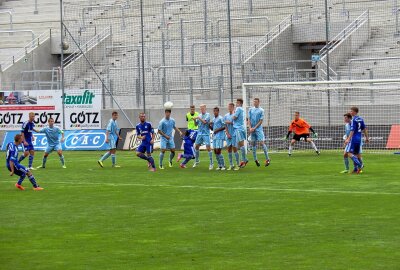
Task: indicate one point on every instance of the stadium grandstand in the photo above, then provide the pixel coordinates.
(190, 50)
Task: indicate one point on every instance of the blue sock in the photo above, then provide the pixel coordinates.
(237, 158)
(346, 163)
(143, 156)
(30, 161)
(21, 179)
(211, 158)
(230, 157)
(21, 158)
(171, 156)
(356, 161)
(243, 150)
(33, 181)
(254, 152)
(113, 159)
(197, 155)
(187, 159)
(105, 156)
(222, 161)
(265, 148)
(44, 161)
(161, 158)
(62, 160)
(151, 160)
(361, 161)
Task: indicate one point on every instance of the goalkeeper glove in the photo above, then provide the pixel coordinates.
(285, 138)
(315, 135)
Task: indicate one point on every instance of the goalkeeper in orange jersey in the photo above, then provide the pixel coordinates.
(301, 130)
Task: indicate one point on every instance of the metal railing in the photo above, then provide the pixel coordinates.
(344, 34)
(337, 41)
(264, 41)
(87, 46)
(10, 15)
(36, 42)
(351, 61)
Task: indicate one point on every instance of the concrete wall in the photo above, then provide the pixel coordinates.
(315, 32)
(280, 49)
(38, 59)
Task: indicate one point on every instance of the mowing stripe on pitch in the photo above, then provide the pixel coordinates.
(295, 190)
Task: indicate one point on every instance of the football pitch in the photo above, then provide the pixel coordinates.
(298, 213)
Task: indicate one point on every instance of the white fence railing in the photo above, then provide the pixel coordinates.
(265, 40)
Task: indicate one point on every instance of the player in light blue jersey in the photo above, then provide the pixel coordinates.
(203, 135)
(112, 136)
(166, 129)
(347, 130)
(240, 131)
(218, 126)
(354, 140)
(255, 120)
(230, 138)
(53, 142)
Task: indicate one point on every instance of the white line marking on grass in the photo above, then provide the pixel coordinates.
(294, 190)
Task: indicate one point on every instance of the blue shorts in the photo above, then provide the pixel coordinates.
(53, 147)
(18, 169)
(112, 143)
(354, 148)
(218, 143)
(167, 144)
(145, 147)
(28, 147)
(240, 136)
(257, 136)
(203, 139)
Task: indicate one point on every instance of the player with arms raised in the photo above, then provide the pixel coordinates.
(53, 142)
(145, 132)
(15, 167)
(256, 118)
(301, 130)
(112, 136)
(218, 126)
(165, 129)
(354, 140)
(240, 132)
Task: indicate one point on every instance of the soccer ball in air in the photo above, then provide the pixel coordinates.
(168, 105)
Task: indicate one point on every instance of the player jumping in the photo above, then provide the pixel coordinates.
(15, 167)
(301, 130)
(53, 142)
(218, 126)
(165, 129)
(27, 138)
(354, 140)
(112, 136)
(256, 117)
(230, 138)
(240, 132)
(188, 147)
(203, 135)
(145, 132)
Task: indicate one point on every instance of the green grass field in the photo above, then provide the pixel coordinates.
(299, 213)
